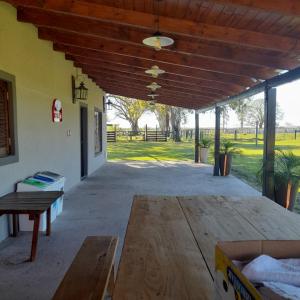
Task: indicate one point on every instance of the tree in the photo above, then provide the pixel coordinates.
(178, 116)
(224, 116)
(255, 112)
(240, 108)
(129, 109)
(162, 112)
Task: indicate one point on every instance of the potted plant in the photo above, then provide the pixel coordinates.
(227, 150)
(204, 149)
(286, 178)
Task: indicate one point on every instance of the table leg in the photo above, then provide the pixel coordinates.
(35, 235)
(15, 224)
(48, 230)
(111, 282)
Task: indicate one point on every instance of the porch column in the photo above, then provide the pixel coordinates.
(217, 141)
(196, 136)
(269, 142)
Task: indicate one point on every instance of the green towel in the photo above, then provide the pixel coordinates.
(34, 182)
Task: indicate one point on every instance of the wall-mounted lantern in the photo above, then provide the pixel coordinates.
(80, 92)
(108, 104)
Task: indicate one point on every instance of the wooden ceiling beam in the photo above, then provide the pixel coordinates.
(163, 79)
(164, 99)
(193, 82)
(143, 85)
(125, 80)
(168, 25)
(170, 68)
(138, 92)
(192, 46)
(283, 7)
(146, 53)
(104, 81)
(180, 86)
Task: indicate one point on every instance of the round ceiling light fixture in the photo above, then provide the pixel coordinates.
(152, 95)
(157, 40)
(153, 86)
(152, 102)
(155, 71)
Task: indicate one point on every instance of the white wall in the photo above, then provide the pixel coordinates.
(42, 75)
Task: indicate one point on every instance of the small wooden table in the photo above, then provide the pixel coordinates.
(170, 242)
(33, 204)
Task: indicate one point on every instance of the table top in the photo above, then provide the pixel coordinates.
(28, 202)
(170, 241)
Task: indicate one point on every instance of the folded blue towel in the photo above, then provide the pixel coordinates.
(43, 178)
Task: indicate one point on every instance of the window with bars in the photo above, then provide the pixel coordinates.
(8, 151)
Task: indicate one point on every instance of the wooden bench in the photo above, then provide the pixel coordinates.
(91, 272)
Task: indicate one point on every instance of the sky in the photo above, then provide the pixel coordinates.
(288, 98)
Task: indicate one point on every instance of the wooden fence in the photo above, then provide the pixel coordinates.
(149, 135)
(111, 136)
(156, 135)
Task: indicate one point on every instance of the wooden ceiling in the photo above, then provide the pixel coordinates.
(222, 47)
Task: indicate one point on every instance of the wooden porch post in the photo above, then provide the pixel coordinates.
(217, 141)
(196, 136)
(269, 142)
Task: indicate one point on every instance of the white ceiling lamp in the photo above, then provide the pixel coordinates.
(153, 86)
(152, 102)
(152, 95)
(157, 40)
(155, 71)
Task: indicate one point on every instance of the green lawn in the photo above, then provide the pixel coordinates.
(151, 151)
(245, 165)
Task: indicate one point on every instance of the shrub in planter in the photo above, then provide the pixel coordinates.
(286, 178)
(227, 150)
(204, 149)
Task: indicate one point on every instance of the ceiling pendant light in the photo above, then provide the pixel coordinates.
(157, 40)
(152, 102)
(153, 86)
(155, 71)
(152, 95)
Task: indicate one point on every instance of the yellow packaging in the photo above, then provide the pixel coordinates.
(230, 283)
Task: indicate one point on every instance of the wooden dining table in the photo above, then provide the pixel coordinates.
(169, 245)
(32, 204)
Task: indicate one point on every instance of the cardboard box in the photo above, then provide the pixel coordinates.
(230, 283)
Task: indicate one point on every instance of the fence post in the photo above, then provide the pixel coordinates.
(295, 134)
(115, 133)
(235, 134)
(269, 142)
(146, 133)
(256, 133)
(156, 133)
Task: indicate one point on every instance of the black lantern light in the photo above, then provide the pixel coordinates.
(80, 92)
(109, 104)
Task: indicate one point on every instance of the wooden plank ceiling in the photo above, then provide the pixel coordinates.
(222, 47)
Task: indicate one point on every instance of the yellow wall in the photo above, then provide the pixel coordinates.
(42, 75)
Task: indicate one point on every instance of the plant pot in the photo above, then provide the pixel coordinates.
(204, 155)
(285, 195)
(225, 161)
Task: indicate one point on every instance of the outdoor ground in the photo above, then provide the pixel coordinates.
(100, 205)
(245, 166)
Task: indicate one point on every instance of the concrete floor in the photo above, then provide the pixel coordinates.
(100, 205)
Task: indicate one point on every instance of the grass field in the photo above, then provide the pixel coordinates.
(245, 165)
